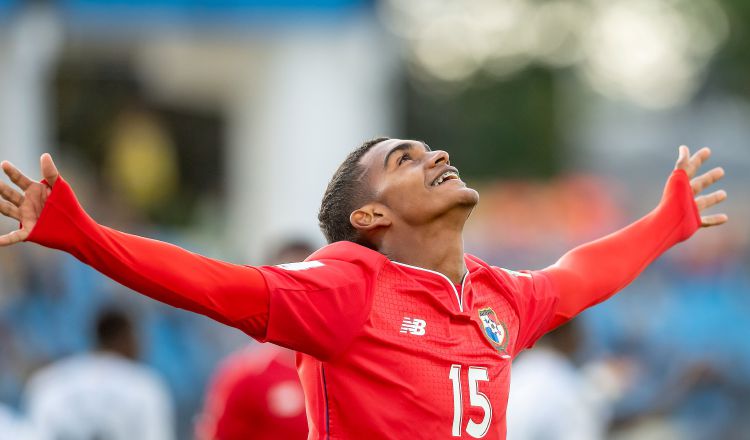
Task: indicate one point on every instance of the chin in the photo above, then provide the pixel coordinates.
(469, 197)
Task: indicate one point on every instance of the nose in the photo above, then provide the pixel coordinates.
(440, 157)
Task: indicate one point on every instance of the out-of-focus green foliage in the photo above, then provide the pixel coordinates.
(730, 71)
(511, 124)
(492, 128)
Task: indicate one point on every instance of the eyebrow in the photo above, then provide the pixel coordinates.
(402, 147)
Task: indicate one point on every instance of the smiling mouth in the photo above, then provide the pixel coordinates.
(446, 176)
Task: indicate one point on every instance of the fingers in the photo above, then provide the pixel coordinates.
(10, 194)
(49, 170)
(697, 159)
(709, 200)
(16, 176)
(691, 164)
(705, 180)
(14, 237)
(10, 210)
(713, 220)
(683, 155)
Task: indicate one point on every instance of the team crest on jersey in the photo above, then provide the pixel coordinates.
(494, 329)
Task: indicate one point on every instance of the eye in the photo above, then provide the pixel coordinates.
(404, 158)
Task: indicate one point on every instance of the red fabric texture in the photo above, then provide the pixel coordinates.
(390, 349)
(536, 304)
(390, 377)
(255, 394)
(593, 272)
(232, 294)
(319, 309)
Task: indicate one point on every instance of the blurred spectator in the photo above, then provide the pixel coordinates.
(256, 392)
(552, 399)
(13, 427)
(105, 394)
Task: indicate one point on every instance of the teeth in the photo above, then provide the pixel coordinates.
(444, 176)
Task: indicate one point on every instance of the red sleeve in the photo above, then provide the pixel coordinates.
(535, 299)
(593, 272)
(232, 294)
(318, 307)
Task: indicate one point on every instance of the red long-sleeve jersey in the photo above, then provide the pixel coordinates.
(254, 394)
(385, 349)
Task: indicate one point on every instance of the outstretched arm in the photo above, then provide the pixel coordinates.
(593, 272)
(50, 215)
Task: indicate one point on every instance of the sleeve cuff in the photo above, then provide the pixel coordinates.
(679, 198)
(61, 219)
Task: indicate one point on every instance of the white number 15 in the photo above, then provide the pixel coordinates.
(476, 398)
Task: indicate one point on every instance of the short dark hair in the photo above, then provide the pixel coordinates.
(112, 326)
(345, 192)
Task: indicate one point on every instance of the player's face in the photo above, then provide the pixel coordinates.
(414, 182)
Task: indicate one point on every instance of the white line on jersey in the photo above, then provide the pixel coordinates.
(304, 265)
(516, 273)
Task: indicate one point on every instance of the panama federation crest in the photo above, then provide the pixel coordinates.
(494, 329)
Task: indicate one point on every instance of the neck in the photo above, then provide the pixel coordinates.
(436, 246)
(126, 351)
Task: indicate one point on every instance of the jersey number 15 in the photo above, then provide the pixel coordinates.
(476, 398)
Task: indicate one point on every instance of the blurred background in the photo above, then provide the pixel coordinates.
(216, 124)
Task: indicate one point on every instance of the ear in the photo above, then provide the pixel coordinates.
(370, 217)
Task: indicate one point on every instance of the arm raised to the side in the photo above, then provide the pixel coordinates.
(591, 273)
(50, 215)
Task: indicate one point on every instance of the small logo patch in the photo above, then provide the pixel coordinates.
(494, 330)
(414, 326)
(516, 273)
(304, 265)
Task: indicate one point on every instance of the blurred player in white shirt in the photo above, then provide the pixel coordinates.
(553, 399)
(13, 427)
(103, 395)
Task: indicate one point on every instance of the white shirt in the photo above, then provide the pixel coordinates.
(99, 395)
(551, 400)
(13, 427)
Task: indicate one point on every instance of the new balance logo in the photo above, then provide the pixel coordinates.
(414, 326)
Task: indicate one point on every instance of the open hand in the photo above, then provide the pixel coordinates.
(691, 164)
(25, 206)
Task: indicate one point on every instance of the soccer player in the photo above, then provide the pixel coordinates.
(255, 394)
(104, 394)
(400, 333)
